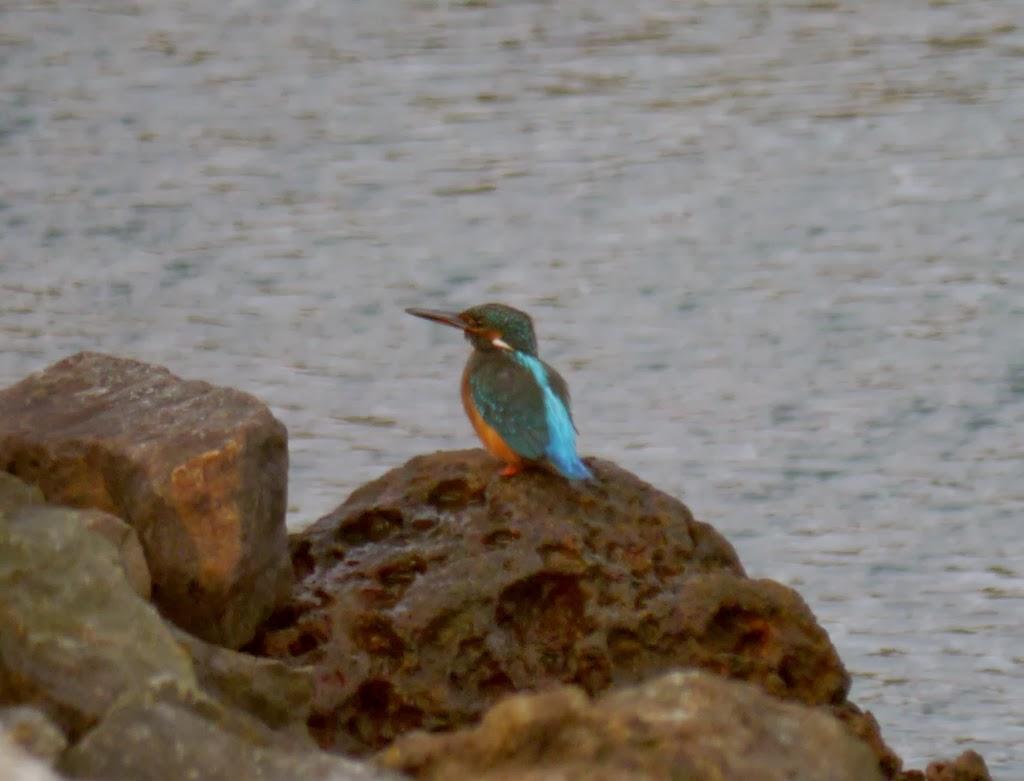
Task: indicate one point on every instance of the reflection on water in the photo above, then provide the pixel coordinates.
(775, 248)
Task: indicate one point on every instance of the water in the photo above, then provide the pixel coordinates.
(774, 247)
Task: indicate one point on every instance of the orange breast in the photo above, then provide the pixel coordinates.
(492, 440)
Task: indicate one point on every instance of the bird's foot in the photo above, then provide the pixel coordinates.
(510, 469)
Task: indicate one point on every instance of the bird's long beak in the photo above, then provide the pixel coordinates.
(448, 318)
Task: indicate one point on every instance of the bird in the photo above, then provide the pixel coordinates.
(519, 405)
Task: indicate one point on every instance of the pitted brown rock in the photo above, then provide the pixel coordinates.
(199, 472)
(440, 587)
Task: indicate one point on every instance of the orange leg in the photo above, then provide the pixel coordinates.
(511, 469)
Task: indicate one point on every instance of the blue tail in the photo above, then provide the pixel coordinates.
(570, 466)
(561, 447)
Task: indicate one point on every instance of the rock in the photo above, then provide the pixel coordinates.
(199, 472)
(74, 634)
(31, 731)
(863, 725)
(15, 494)
(441, 587)
(17, 765)
(126, 542)
(685, 725)
(277, 694)
(169, 731)
(969, 766)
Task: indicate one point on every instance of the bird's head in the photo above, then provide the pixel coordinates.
(489, 326)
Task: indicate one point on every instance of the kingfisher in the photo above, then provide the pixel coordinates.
(518, 405)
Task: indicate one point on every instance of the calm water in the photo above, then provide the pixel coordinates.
(777, 248)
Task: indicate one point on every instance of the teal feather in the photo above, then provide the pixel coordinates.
(527, 403)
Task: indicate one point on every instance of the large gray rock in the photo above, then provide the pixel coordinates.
(169, 732)
(278, 694)
(33, 732)
(126, 542)
(691, 726)
(74, 634)
(18, 765)
(16, 494)
(140, 698)
(199, 471)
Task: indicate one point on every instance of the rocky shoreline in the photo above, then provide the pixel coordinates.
(156, 621)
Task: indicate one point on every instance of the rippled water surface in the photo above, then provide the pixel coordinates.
(777, 248)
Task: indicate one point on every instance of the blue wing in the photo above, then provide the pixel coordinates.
(561, 446)
(527, 402)
(509, 400)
